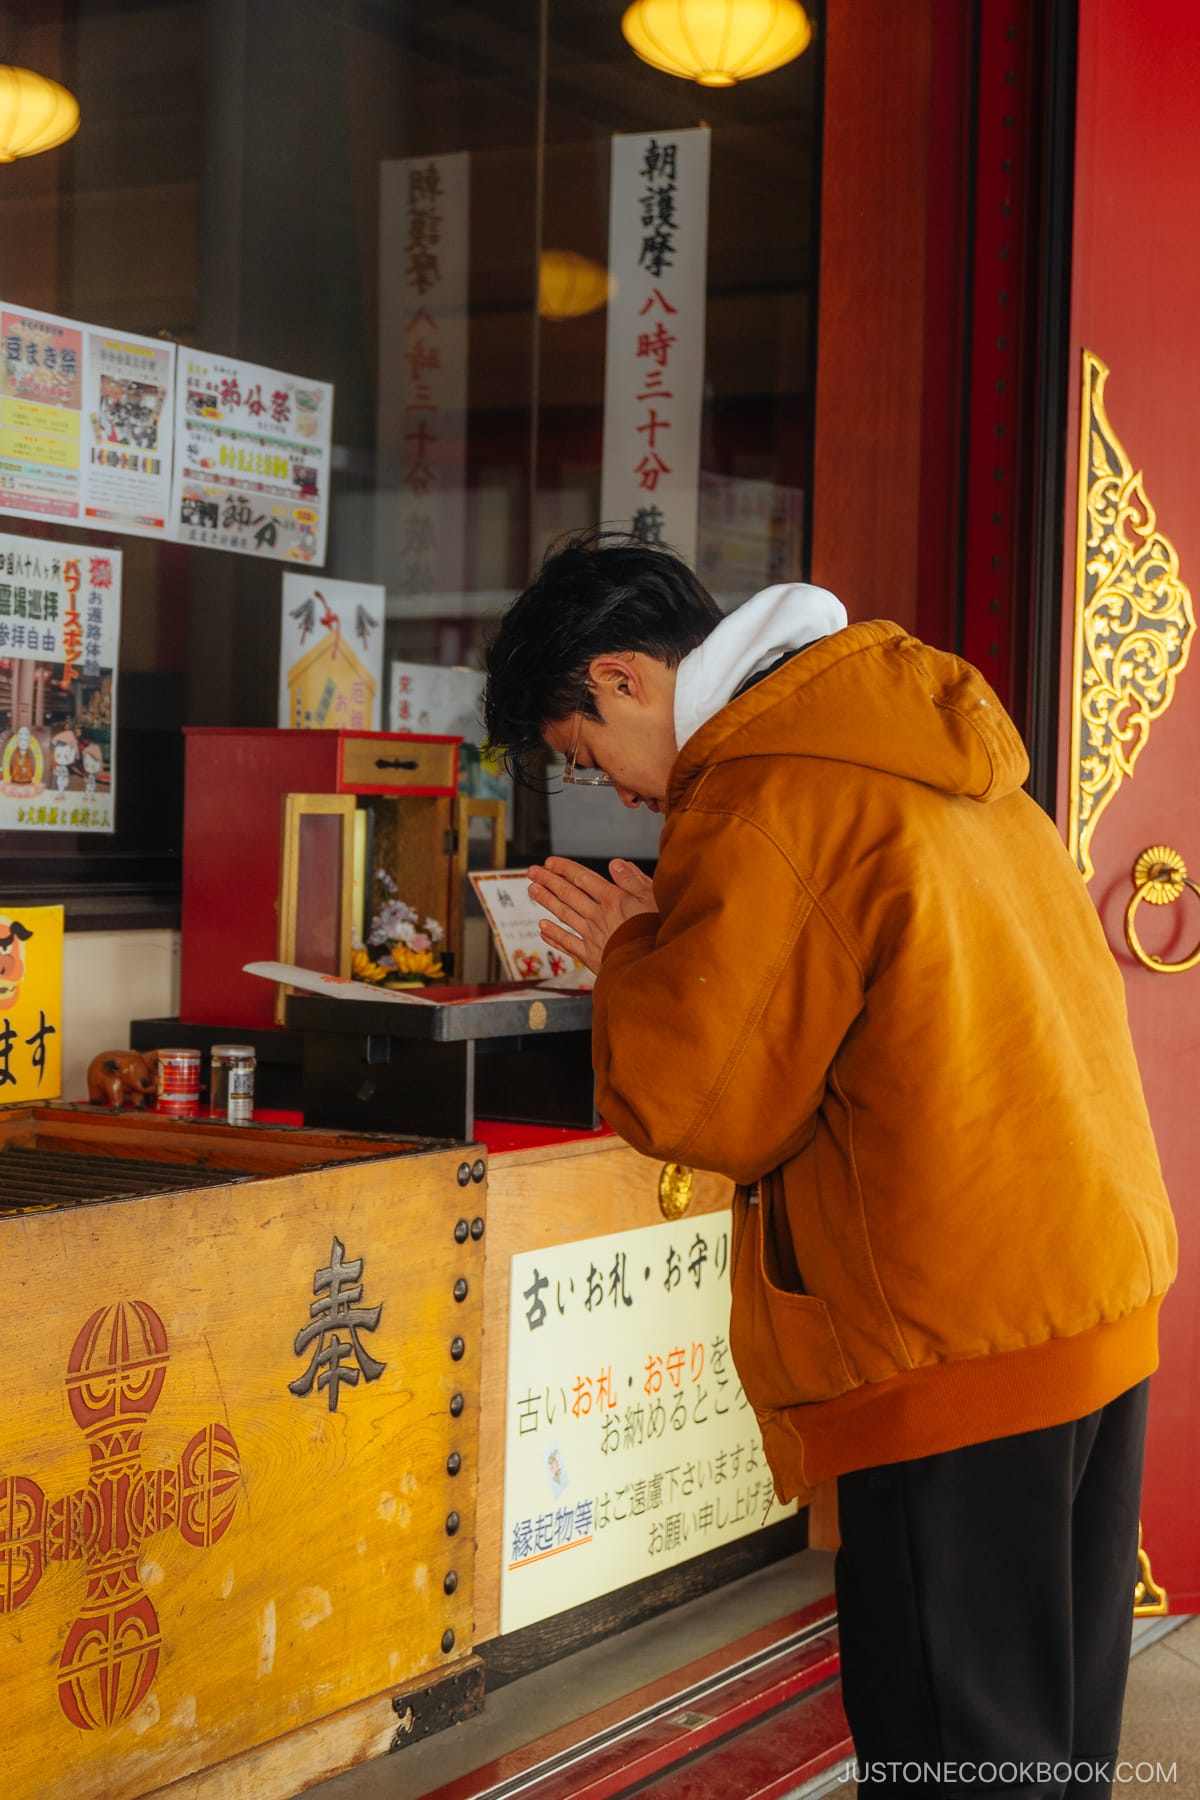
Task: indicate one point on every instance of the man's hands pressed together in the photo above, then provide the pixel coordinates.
(589, 907)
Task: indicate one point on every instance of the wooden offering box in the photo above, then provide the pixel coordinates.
(238, 1467)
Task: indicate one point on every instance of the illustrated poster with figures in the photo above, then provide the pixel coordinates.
(86, 423)
(60, 629)
(629, 1445)
(515, 919)
(252, 459)
(331, 654)
(31, 958)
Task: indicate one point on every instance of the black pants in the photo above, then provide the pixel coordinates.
(985, 1603)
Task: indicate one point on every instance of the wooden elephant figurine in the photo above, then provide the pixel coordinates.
(118, 1078)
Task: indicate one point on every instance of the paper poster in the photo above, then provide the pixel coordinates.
(252, 459)
(629, 1445)
(129, 404)
(31, 959)
(85, 424)
(446, 702)
(751, 536)
(331, 654)
(60, 629)
(654, 373)
(515, 919)
(437, 701)
(41, 403)
(423, 253)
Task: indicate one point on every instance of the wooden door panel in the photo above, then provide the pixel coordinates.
(1135, 301)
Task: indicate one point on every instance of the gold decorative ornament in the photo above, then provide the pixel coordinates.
(716, 42)
(538, 1016)
(35, 113)
(1134, 622)
(570, 286)
(1149, 1600)
(1159, 877)
(674, 1190)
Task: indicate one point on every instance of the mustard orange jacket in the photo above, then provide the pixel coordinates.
(877, 996)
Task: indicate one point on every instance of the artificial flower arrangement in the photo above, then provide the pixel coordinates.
(397, 954)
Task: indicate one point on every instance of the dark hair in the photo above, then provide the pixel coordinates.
(599, 593)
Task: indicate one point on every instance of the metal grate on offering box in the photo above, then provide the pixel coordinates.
(36, 1178)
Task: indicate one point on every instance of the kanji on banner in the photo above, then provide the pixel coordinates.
(60, 628)
(253, 449)
(423, 374)
(654, 374)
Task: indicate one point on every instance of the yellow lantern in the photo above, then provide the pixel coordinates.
(35, 113)
(570, 285)
(717, 42)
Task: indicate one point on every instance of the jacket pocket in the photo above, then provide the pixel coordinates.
(784, 1345)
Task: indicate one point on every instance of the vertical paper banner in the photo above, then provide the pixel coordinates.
(252, 459)
(330, 654)
(31, 959)
(60, 630)
(654, 374)
(423, 250)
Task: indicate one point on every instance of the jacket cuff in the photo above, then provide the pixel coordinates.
(642, 925)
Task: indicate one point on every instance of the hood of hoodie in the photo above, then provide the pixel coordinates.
(872, 696)
(779, 619)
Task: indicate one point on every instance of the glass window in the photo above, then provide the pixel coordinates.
(235, 186)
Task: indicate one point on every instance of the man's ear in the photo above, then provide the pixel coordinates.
(618, 674)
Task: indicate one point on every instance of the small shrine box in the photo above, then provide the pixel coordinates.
(495, 1051)
(236, 784)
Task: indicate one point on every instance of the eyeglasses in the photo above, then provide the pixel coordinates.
(573, 777)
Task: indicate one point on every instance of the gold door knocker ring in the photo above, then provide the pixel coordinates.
(1159, 876)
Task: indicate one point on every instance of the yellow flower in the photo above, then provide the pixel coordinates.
(363, 969)
(417, 962)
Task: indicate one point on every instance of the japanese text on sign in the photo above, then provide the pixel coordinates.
(252, 459)
(85, 423)
(60, 615)
(423, 373)
(655, 368)
(629, 1443)
(31, 956)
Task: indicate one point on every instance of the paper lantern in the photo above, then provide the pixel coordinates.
(570, 285)
(35, 113)
(717, 42)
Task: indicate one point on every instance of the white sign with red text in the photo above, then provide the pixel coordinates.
(253, 450)
(629, 1445)
(654, 373)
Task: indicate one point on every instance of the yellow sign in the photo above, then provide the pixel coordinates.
(31, 958)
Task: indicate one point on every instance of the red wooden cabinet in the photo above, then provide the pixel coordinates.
(235, 786)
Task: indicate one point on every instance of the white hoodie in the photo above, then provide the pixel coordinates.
(750, 639)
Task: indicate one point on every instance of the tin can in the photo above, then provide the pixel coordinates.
(177, 1083)
(232, 1095)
